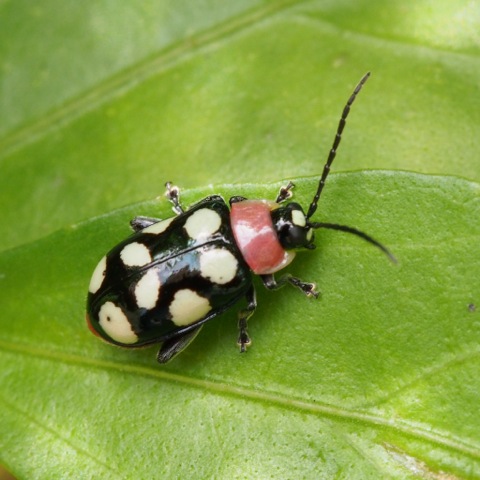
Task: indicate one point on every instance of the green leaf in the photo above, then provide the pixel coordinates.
(377, 378)
(102, 102)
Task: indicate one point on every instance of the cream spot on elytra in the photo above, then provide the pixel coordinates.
(187, 307)
(115, 324)
(135, 255)
(98, 276)
(158, 227)
(147, 290)
(202, 224)
(218, 265)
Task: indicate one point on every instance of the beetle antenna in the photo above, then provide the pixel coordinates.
(359, 233)
(336, 143)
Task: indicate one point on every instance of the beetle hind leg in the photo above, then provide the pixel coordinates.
(172, 347)
(243, 317)
(309, 289)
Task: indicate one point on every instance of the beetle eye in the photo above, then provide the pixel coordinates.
(295, 236)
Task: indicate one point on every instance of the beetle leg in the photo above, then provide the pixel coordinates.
(139, 223)
(173, 194)
(243, 316)
(172, 347)
(307, 288)
(236, 199)
(285, 193)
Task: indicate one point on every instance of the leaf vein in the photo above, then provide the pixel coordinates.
(32, 420)
(311, 407)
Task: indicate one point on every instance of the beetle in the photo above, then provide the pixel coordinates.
(168, 278)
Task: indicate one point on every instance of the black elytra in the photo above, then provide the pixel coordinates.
(161, 284)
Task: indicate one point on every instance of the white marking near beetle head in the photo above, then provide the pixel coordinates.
(298, 218)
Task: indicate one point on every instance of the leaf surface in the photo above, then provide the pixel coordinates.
(377, 378)
(101, 104)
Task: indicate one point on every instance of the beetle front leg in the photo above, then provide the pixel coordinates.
(285, 193)
(236, 199)
(243, 316)
(307, 288)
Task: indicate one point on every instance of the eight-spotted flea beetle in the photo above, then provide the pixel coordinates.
(171, 276)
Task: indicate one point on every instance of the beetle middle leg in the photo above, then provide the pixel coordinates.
(139, 223)
(307, 288)
(243, 316)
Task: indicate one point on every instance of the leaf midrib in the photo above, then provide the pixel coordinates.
(271, 398)
(81, 451)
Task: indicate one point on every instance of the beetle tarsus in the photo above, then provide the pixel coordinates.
(243, 316)
(236, 199)
(309, 289)
(285, 193)
(243, 341)
(139, 223)
(173, 195)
